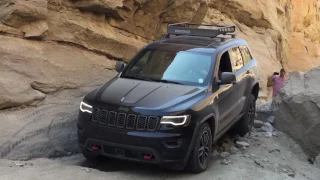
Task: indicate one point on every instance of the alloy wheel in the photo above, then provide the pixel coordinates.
(204, 149)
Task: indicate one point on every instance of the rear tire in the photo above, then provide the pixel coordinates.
(245, 123)
(201, 154)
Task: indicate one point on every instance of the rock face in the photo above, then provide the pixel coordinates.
(297, 110)
(96, 32)
(304, 43)
(32, 69)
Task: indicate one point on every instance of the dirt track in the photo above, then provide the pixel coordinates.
(46, 137)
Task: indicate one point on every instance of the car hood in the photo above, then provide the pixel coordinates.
(146, 94)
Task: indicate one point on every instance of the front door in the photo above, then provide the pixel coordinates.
(228, 95)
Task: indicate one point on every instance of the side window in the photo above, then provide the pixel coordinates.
(236, 59)
(225, 64)
(245, 54)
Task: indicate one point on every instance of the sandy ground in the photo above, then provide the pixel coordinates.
(41, 143)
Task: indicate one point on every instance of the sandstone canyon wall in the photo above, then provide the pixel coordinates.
(50, 45)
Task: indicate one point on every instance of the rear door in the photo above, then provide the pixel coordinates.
(239, 71)
(246, 74)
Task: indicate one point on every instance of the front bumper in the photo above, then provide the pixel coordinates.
(167, 147)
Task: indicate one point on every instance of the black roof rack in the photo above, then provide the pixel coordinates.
(185, 28)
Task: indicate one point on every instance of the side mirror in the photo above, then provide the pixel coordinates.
(120, 66)
(227, 78)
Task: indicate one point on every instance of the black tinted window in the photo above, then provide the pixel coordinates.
(245, 54)
(236, 59)
(167, 65)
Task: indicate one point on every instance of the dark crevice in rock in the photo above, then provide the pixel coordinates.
(2, 33)
(48, 88)
(109, 56)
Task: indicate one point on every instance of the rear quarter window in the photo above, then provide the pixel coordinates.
(245, 54)
(236, 59)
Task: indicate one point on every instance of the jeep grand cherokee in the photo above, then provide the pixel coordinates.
(174, 99)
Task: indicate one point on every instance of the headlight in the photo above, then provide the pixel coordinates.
(175, 120)
(84, 107)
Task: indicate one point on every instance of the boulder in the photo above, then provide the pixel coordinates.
(257, 124)
(297, 109)
(28, 16)
(32, 69)
(241, 144)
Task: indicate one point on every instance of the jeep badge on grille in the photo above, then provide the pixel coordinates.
(123, 109)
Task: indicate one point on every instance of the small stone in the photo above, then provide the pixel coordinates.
(283, 158)
(292, 174)
(275, 134)
(225, 161)
(233, 150)
(19, 163)
(285, 170)
(271, 119)
(265, 160)
(241, 144)
(267, 127)
(87, 170)
(257, 124)
(215, 153)
(274, 150)
(258, 162)
(242, 149)
(253, 129)
(268, 134)
(239, 138)
(224, 155)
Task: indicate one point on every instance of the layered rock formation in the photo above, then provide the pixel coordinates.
(304, 43)
(48, 45)
(297, 109)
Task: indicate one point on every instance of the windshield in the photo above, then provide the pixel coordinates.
(179, 67)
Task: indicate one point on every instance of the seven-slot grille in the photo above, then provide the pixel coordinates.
(123, 120)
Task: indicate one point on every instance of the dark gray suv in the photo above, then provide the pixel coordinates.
(174, 99)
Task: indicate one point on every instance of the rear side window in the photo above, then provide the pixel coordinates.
(236, 59)
(245, 54)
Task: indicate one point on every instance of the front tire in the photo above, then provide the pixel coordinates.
(246, 122)
(201, 153)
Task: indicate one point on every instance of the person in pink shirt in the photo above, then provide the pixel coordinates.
(278, 82)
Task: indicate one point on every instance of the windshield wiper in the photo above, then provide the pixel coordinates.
(149, 79)
(136, 77)
(169, 81)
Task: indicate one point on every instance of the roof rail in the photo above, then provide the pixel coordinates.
(185, 29)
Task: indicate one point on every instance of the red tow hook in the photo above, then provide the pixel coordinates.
(148, 157)
(95, 147)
